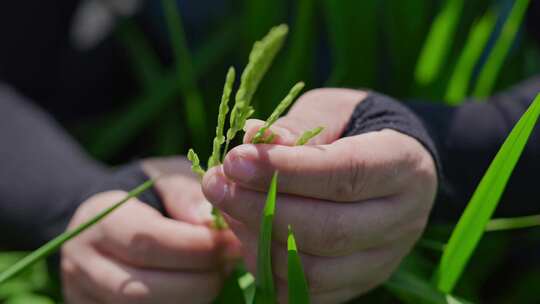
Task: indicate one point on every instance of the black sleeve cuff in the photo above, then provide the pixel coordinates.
(379, 111)
(126, 178)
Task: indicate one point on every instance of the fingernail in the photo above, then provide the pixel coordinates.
(215, 187)
(240, 165)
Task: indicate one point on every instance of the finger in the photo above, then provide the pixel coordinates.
(327, 274)
(324, 228)
(115, 282)
(140, 236)
(75, 288)
(184, 200)
(312, 110)
(351, 169)
(337, 296)
(179, 190)
(73, 295)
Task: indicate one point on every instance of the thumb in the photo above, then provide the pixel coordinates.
(179, 189)
(329, 108)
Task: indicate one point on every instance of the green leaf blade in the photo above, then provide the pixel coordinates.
(438, 42)
(264, 283)
(185, 74)
(491, 69)
(480, 208)
(298, 287)
(474, 47)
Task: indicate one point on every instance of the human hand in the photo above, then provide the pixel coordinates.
(357, 204)
(136, 255)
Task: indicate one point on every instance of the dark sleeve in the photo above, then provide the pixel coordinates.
(44, 175)
(377, 112)
(469, 136)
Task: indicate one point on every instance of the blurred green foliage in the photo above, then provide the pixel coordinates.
(368, 43)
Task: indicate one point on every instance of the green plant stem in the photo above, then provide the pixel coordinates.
(55, 244)
(195, 114)
(513, 223)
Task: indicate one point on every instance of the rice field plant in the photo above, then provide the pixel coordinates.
(453, 63)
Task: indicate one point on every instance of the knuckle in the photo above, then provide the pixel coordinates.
(314, 275)
(350, 182)
(139, 249)
(69, 270)
(334, 237)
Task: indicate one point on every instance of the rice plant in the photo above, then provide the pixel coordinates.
(358, 58)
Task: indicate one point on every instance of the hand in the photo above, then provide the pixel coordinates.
(136, 255)
(357, 204)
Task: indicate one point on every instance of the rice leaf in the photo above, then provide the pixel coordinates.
(143, 58)
(354, 60)
(232, 292)
(480, 208)
(438, 42)
(513, 223)
(282, 106)
(410, 288)
(308, 135)
(265, 292)
(195, 163)
(474, 47)
(193, 101)
(247, 283)
(260, 58)
(298, 287)
(54, 245)
(491, 69)
(215, 158)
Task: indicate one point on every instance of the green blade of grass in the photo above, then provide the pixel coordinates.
(308, 135)
(193, 101)
(438, 43)
(260, 59)
(281, 107)
(480, 208)
(144, 59)
(474, 47)
(265, 292)
(54, 245)
(354, 60)
(297, 284)
(410, 288)
(513, 223)
(232, 292)
(297, 61)
(488, 75)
